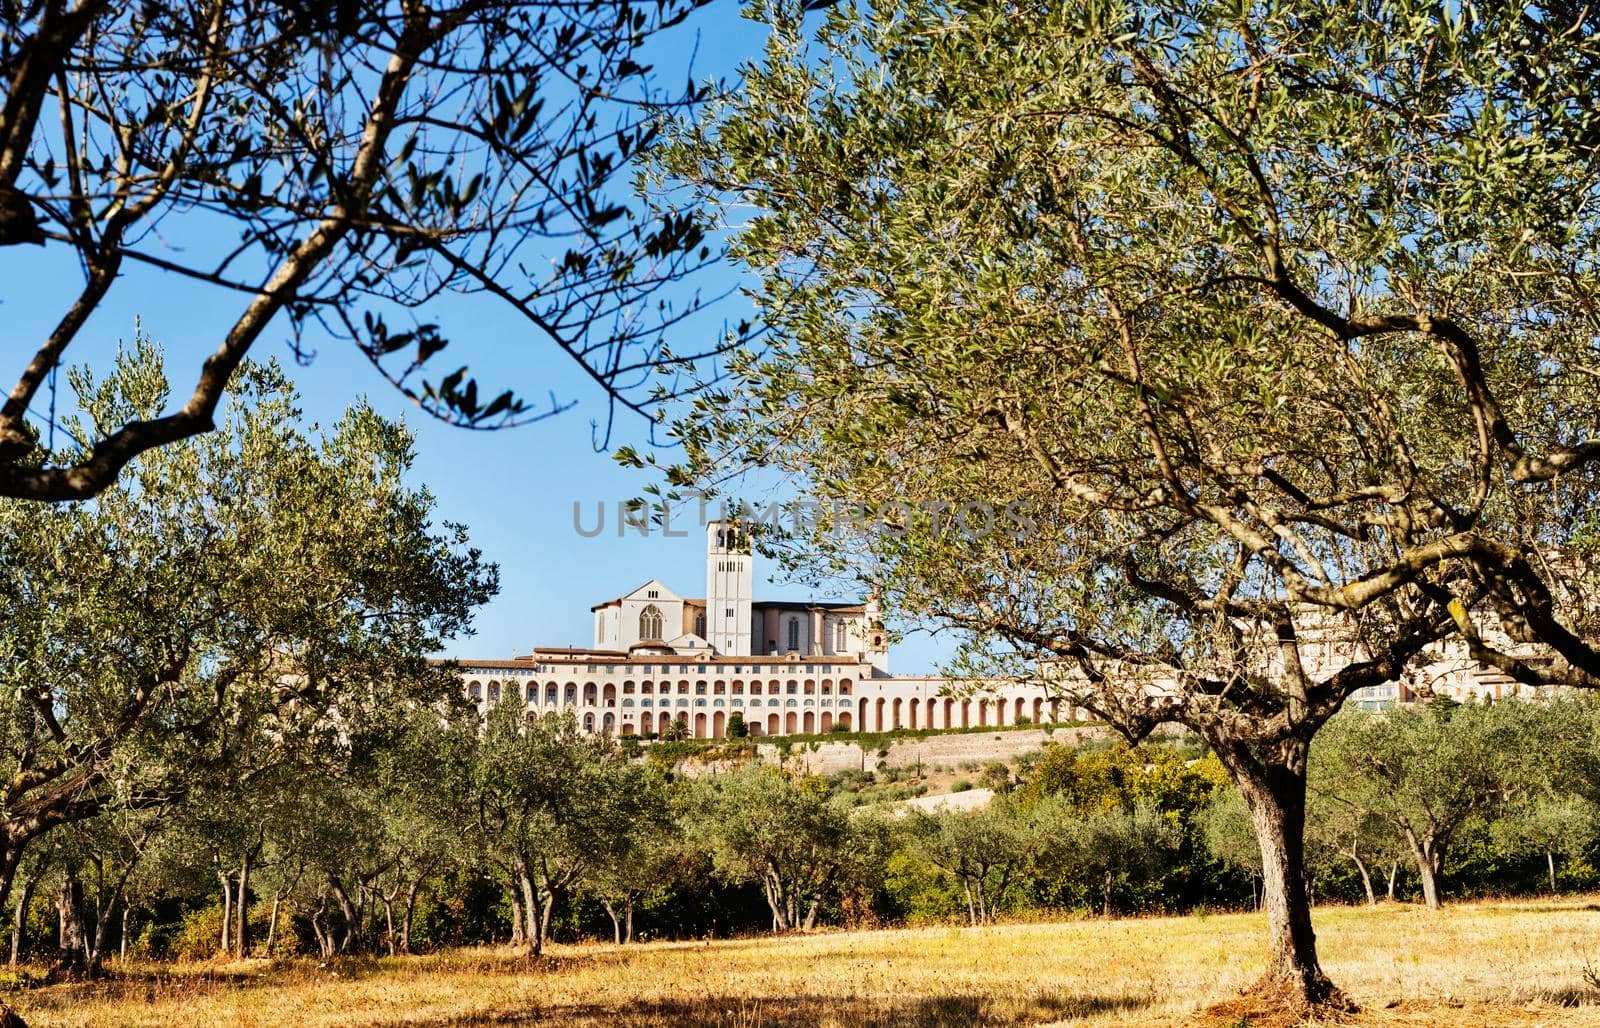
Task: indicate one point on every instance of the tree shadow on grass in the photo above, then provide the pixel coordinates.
(946, 1011)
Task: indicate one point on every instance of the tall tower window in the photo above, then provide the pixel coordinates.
(794, 633)
(840, 637)
(700, 625)
(650, 622)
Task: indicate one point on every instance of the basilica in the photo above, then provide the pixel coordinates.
(809, 667)
(784, 668)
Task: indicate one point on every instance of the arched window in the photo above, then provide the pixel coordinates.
(700, 624)
(841, 637)
(650, 622)
(794, 633)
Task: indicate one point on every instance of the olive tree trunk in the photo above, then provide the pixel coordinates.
(20, 924)
(1425, 853)
(1274, 790)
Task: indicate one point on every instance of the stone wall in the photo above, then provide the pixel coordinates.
(937, 751)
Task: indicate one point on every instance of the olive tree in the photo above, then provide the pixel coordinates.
(556, 808)
(763, 825)
(344, 167)
(1428, 772)
(987, 851)
(235, 600)
(1209, 361)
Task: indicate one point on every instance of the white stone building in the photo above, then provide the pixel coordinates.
(787, 668)
(807, 667)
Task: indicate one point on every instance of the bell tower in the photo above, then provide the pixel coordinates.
(729, 578)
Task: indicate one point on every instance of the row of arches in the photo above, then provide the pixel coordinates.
(871, 715)
(715, 724)
(886, 715)
(593, 695)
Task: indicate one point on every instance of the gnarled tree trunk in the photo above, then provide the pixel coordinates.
(1274, 790)
(72, 945)
(19, 926)
(1425, 854)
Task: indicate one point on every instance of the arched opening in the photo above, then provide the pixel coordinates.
(650, 623)
(494, 692)
(949, 712)
(808, 723)
(844, 719)
(550, 693)
(915, 709)
(609, 725)
(862, 714)
(699, 726)
(827, 720)
(772, 724)
(572, 694)
(718, 722)
(610, 694)
(1018, 715)
(966, 713)
(877, 719)
(789, 723)
(794, 635)
(844, 687)
(1055, 711)
(588, 723)
(647, 723)
(896, 721)
(589, 694)
(983, 713)
(1038, 710)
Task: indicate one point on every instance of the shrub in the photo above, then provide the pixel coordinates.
(961, 785)
(200, 934)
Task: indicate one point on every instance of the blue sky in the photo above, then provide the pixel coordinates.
(515, 489)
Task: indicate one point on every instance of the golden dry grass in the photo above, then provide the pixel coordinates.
(1500, 963)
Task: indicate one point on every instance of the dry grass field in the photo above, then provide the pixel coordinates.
(1501, 963)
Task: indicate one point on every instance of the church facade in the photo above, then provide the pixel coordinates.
(785, 668)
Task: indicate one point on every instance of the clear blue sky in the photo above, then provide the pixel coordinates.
(515, 490)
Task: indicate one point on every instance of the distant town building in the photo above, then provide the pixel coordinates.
(786, 667)
(806, 667)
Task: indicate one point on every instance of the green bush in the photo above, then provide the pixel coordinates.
(200, 933)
